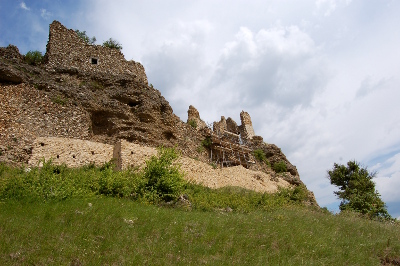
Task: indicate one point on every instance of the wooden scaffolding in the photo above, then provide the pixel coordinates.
(227, 150)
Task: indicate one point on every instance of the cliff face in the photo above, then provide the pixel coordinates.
(51, 100)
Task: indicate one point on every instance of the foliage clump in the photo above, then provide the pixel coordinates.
(260, 156)
(113, 44)
(193, 123)
(207, 142)
(34, 58)
(280, 167)
(163, 179)
(357, 190)
(85, 38)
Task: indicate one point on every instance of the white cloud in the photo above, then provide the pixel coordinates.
(330, 5)
(23, 6)
(279, 65)
(45, 14)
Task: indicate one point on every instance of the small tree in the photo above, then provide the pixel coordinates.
(357, 190)
(113, 44)
(34, 57)
(85, 38)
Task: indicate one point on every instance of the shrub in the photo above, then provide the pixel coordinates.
(85, 38)
(34, 57)
(260, 156)
(294, 195)
(113, 44)
(192, 123)
(280, 167)
(163, 179)
(206, 143)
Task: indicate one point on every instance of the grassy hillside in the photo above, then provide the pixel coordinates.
(110, 231)
(96, 216)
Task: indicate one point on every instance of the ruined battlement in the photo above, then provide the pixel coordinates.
(67, 52)
(245, 130)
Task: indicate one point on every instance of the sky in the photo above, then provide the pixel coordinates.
(319, 78)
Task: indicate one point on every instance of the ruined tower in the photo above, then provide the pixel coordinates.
(246, 128)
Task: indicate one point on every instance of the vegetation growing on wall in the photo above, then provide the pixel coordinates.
(113, 44)
(34, 58)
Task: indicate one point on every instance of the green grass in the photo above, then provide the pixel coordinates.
(97, 216)
(122, 232)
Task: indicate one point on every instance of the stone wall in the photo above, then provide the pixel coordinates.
(220, 127)
(72, 152)
(232, 126)
(245, 130)
(134, 155)
(27, 113)
(76, 152)
(67, 52)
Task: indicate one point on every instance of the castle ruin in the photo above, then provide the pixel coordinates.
(67, 52)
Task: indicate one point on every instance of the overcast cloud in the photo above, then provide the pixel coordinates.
(320, 79)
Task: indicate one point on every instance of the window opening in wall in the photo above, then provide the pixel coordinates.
(94, 61)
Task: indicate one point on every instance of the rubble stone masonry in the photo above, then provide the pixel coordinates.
(72, 152)
(67, 52)
(246, 128)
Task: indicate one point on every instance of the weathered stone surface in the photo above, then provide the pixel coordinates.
(220, 127)
(232, 126)
(11, 53)
(246, 128)
(8, 74)
(72, 152)
(193, 115)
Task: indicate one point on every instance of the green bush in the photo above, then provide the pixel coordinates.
(206, 143)
(163, 178)
(113, 44)
(260, 156)
(280, 167)
(298, 194)
(192, 123)
(34, 57)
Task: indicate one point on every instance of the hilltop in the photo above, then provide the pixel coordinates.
(87, 104)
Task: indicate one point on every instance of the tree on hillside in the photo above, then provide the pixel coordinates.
(85, 38)
(357, 190)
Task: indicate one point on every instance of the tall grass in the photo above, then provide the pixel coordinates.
(111, 231)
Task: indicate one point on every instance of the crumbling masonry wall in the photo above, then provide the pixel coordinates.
(66, 51)
(246, 128)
